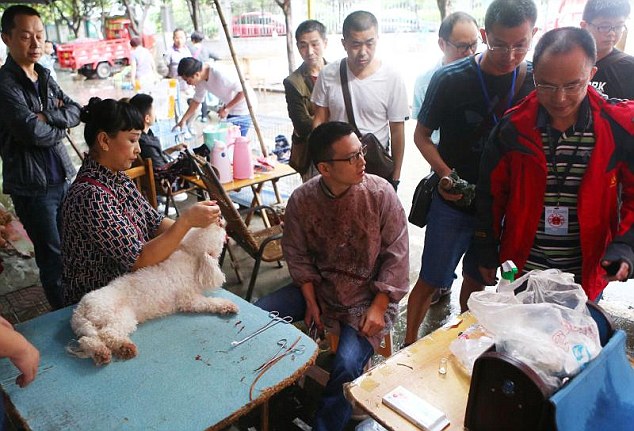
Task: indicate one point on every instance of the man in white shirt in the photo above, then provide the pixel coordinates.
(457, 38)
(222, 84)
(377, 91)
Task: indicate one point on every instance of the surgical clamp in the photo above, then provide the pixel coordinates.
(275, 319)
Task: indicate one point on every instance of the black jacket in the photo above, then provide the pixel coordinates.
(24, 139)
(151, 149)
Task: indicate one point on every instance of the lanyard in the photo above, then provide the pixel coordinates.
(552, 149)
(485, 92)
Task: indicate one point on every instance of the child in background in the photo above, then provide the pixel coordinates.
(150, 144)
(151, 147)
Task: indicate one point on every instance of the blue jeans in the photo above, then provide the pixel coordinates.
(353, 352)
(41, 217)
(448, 236)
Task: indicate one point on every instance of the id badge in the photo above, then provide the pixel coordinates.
(556, 219)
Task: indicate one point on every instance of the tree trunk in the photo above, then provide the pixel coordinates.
(442, 8)
(194, 12)
(286, 8)
(134, 25)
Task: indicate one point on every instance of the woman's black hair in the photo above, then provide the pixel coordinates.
(110, 116)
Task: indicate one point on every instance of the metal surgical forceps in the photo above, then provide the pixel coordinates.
(283, 343)
(275, 319)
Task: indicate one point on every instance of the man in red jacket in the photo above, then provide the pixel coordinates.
(550, 174)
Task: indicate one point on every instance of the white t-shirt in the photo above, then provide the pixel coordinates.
(224, 84)
(376, 100)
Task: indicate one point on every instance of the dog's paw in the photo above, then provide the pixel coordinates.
(102, 357)
(224, 306)
(126, 350)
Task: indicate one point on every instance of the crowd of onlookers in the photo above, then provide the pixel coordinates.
(547, 146)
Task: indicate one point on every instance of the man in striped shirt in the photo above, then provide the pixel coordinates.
(548, 185)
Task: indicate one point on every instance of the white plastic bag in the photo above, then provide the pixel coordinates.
(547, 326)
(469, 345)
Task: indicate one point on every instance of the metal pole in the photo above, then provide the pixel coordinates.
(309, 4)
(244, 87)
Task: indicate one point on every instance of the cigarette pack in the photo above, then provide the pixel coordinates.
(417, 410)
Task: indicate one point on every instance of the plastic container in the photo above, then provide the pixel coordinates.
(242, 162)
(233, 132)
(220, 161)
(215, 133)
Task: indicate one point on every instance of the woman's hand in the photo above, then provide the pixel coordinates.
(202, 214)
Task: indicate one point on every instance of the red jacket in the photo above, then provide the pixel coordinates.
(512, 184)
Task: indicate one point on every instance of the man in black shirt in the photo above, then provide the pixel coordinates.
(465, 100)
(605, 20)
(36, 166)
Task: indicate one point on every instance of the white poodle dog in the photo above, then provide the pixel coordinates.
(105, 318)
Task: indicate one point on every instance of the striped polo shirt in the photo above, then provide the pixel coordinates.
(573, 149)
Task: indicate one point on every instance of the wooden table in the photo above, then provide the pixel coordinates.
(416, 369)
(256, 183)
(186, 376)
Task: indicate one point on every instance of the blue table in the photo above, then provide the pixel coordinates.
(186, 376)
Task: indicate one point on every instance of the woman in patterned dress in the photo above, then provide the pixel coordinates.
(108, 228)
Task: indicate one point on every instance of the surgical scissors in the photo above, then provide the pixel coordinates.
(275, 319)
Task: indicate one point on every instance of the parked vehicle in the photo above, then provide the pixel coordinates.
(100, 58)
(257, 24)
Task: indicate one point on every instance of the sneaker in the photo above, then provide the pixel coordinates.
(440, 293)
(181, 197)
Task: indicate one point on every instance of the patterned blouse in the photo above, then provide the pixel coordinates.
(105, 223)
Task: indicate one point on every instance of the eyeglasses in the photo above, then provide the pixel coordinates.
(505, 50)
(569, 89)
(606, 28)
(353, 158)
(464, 47)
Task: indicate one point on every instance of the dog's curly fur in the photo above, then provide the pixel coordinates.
(106, 317)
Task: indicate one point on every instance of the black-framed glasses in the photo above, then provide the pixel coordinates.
(606, 28)
(568, 89)
(506, 50)
(463, 48)
(353, 158)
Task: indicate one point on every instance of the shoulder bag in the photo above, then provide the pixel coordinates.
(422, 199)
(377, 160)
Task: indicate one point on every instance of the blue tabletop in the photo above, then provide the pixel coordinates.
(185, 377)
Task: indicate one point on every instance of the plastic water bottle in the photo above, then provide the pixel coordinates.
(509, 271)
